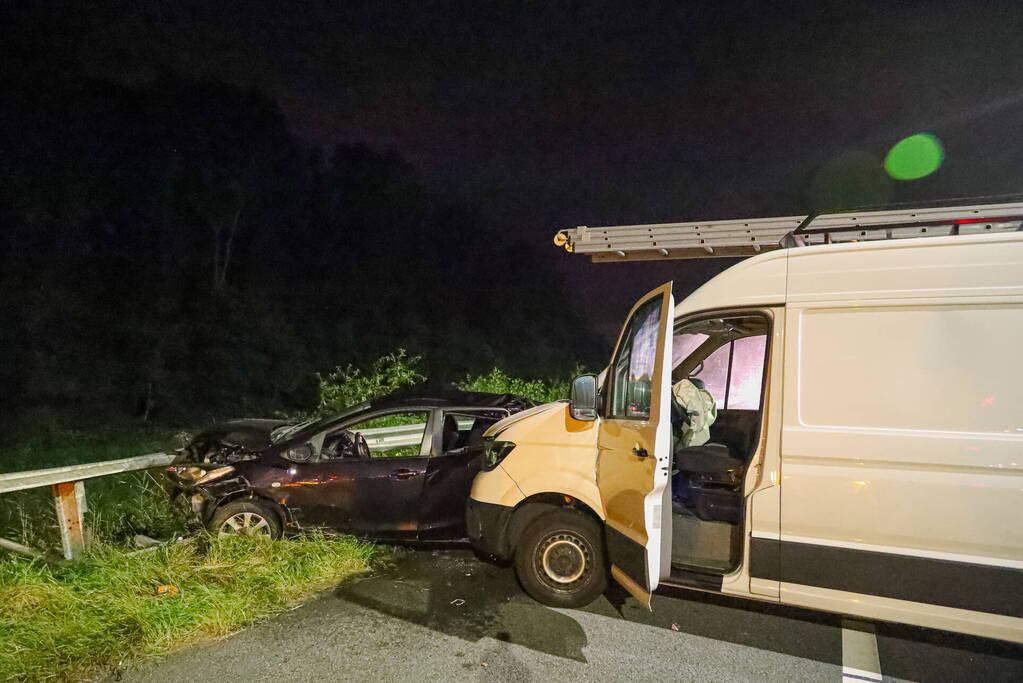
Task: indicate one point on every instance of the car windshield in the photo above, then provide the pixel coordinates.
(285, 432)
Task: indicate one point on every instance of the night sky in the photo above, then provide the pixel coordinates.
(549, 115)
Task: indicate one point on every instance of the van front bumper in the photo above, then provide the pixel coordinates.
(487, 524)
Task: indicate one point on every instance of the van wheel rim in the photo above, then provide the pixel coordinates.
(564, 559)
(245, 524)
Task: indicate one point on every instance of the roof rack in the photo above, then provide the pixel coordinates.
(746, 237)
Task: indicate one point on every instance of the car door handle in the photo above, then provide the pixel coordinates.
(402, 474)
(639, 451)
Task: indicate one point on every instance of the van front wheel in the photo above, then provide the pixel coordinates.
(560, 559)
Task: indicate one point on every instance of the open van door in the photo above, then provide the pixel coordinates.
(634, 446)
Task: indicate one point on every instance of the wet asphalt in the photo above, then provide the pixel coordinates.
(444, 615)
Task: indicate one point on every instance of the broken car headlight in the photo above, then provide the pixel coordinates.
(193, 476)
(494, 452)
(214, 474)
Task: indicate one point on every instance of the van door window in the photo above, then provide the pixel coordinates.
(634, 366)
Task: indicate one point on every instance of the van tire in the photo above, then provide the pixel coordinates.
(251, 518)
(560, 559)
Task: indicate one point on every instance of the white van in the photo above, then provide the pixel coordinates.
(866, 457)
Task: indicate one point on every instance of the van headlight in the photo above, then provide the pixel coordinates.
(494, 452)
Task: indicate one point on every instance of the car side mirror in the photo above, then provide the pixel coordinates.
(302, 453)
(584, 398)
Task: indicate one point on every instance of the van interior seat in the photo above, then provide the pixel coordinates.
(738, 430)
(710, 458)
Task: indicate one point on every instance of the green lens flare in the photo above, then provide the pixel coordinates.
(914, 157)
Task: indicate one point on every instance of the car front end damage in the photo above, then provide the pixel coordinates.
(234, 441)
(205, 488)
(209, 488)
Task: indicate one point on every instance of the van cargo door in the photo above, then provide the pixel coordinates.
(634, 446)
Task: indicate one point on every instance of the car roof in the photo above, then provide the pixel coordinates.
(445, 398)
(424, 397)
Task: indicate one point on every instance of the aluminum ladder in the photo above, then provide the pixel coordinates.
(749, 236)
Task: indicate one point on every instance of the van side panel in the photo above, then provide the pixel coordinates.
(902, 444)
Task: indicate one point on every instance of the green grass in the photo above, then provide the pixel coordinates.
(38, 447)
(82, 619)
(78, 620)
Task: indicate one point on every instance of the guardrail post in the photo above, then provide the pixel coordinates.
(69, 499)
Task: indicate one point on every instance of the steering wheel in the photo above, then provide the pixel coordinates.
(361, 447)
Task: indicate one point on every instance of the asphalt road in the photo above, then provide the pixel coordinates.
(443, 615)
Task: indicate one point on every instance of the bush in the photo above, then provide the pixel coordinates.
(348, 386)
(497, 382)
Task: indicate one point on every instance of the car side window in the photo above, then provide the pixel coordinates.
(392, 435)
(464, 429)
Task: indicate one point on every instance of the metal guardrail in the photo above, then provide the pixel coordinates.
(405, 435)
(68, 485)
(18, 481)
(394, 437)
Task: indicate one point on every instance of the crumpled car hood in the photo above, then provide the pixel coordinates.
(229, 440)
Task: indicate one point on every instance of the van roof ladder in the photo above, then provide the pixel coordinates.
(750, 236)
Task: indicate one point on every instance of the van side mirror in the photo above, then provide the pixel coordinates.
(584, 398)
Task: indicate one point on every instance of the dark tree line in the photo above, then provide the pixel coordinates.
(171, 250)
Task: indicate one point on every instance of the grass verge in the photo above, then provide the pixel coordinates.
(82, 619)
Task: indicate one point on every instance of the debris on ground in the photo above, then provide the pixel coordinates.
(167, 590)
(674, 627)
(143, 541)
(458, 602)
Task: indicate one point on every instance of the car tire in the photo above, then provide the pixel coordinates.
(560, 559)
(245, 518)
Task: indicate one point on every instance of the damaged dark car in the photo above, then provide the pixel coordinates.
(393, 469)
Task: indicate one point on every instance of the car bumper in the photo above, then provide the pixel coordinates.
(487, 525)
(205, 498)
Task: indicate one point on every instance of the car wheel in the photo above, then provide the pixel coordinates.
(245, 518)
(560, 559)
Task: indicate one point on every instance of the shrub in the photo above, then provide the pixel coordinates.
(497, 382)
(348, 386)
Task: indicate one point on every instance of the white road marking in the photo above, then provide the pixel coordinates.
(859, 652)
